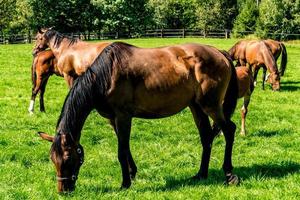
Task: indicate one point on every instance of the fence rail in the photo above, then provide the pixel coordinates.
(155, 33)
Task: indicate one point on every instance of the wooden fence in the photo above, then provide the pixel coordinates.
(155, 33)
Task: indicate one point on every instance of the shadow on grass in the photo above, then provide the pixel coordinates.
(271, 133)
(216, 177)
(289, 86)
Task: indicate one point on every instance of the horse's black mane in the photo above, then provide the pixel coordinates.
(91, 88)
(58, 37)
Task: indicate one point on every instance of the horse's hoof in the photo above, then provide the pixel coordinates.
(30, 112)
(125, 186)
(243, 133)
(232, 180)
(198, 177)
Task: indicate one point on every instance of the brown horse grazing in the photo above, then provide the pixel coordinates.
(126, 81)
(44, 65)
(257, 54)
(246, 87)
(73, 55)
(278, 48)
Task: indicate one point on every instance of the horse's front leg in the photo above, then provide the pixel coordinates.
(206, 137)
(122, 128)
(256, 68)
(131, 163)
(264, 77)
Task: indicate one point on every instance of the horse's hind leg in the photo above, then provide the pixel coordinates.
(206, 137)
(131, 163)
(35, 90)
(228, 128)
(43, 88)
(122, 127)
(244, 112)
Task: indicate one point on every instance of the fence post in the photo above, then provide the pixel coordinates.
(183, 33)
(161, 33)
(226, 33)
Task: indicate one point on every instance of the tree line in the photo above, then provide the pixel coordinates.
(131, 17)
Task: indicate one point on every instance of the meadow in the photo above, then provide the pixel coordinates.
(167, 151)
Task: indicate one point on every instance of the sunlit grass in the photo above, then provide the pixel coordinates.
(167, 151)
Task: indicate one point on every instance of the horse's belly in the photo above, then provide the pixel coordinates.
(156, 103)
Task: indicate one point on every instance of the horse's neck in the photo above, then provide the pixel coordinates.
(270, 61)
(74, 113)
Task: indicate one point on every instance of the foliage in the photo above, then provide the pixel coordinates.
(246, 20)
(173, 13)
(167, 151)
(66, 16)
(215, 14)
(124, 16)
(7, 10)
(278, 17)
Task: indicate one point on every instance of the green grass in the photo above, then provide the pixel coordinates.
(166, 151)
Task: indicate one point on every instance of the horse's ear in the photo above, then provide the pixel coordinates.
(40, 30)
(46, 136)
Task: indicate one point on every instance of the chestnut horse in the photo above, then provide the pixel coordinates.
(126, 81)
(246, 87)
(73, 55)
(257, 54)
(277, 49)
(44, 65)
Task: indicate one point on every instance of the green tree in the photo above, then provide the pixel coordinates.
(65, 16)
(7, 11)
(174, 13)
(20, 20)
(210, 16)
(278, 18)
(125, 16)
(246, 19)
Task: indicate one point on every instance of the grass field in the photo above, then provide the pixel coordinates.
(166, 151)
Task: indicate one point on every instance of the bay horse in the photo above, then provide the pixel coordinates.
(257, 54)
(43, 66)
(126, 81)
(246, 87)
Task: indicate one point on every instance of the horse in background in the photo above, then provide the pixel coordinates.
(278, 48)
(257, 55)
(126, 81)
(73, 55)
(43, 66)
(246, 87)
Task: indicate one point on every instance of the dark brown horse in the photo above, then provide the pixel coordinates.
(246, 87)
(43, 66)
(257, 54)
(125, 82)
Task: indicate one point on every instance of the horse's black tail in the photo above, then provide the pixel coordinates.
(283, 59)
(231, 95)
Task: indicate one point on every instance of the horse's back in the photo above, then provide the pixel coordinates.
(160, 82)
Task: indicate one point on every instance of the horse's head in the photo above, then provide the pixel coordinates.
(67, 157)
(274, 80)
(41, 42)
